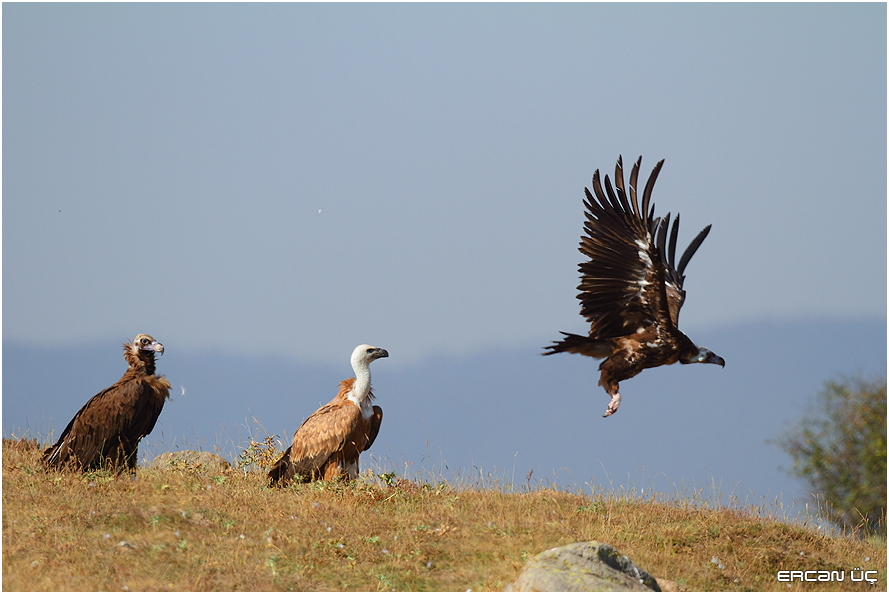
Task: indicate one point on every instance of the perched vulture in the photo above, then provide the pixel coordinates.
(631, 287)
(105, 433)
(327, 445)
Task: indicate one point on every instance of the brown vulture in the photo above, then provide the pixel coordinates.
(105, 433)
(327, 445)
(631, 287)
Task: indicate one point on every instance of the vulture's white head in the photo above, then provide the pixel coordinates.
(364, 354)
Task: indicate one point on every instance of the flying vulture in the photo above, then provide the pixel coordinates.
(105, 433)
(631, 288)
(327, 445)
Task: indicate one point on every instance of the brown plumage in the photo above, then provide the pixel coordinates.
(631, 288)
(327, 445)
(105, 433)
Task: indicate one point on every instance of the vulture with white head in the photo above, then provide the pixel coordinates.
(327, 445)
(105, 433)
(631, 287)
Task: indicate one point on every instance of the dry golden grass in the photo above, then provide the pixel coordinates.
(184, 530)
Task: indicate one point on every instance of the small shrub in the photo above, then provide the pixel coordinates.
(260, 455)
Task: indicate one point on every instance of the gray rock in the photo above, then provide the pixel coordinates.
(583, 567)
(191, 461)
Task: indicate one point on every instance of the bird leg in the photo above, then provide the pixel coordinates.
(613, 370)
(612, 406)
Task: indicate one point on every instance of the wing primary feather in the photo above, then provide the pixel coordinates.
(597, 188)
(590, 203)
(661, 240)
(622, 196)
(674, 234)
(634, 177)
(692, 248)
(612, 199)
(649, 186)
(619, 172)
(620, 187)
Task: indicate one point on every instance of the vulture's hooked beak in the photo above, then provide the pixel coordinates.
(382, 353)
(714, 358)
(154, 346)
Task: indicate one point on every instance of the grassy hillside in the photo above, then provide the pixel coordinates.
(184, 530)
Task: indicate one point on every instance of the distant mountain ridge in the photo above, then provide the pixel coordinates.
(506, 412)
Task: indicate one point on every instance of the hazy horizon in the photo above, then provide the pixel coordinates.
(505, 412)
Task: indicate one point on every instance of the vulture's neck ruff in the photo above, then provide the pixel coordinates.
(140, 353)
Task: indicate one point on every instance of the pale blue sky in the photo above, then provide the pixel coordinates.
(299, 179)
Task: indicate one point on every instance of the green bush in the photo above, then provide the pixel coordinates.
(840, 449)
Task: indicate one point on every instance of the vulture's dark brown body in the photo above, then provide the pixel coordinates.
(105, 433)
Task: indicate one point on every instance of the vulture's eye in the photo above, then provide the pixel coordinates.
(144, 341)
(370, 350)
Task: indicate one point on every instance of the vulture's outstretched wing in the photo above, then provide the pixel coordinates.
(622, 283)
(675, 275)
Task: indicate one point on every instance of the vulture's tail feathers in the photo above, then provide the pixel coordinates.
(582, 345)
